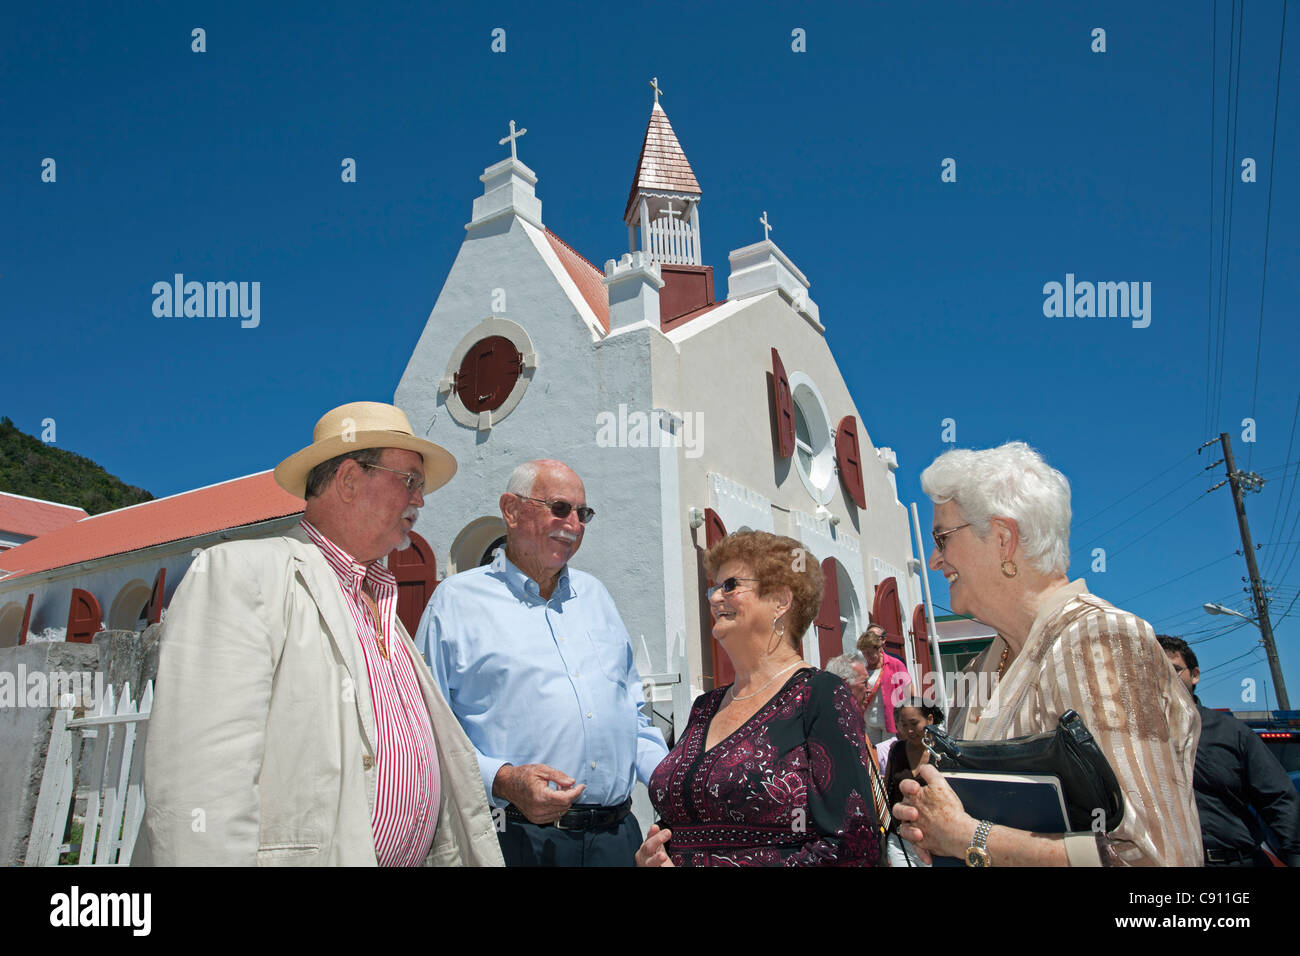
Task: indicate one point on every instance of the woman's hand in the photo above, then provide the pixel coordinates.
(653, 851)
(932, 816)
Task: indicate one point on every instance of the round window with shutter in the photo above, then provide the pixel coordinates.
(488, 373)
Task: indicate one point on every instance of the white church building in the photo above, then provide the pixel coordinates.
(686, 417)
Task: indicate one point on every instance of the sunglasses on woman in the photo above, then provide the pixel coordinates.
(729, 586)
(561, 508)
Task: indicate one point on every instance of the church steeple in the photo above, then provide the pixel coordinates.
(665, 196)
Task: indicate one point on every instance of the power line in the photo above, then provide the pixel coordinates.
(1079, 524)
(1127, 520)
(1231, 659)
(1161, 524)
(1295, 417)
(1209, 278)
(1124, 601)
(1268, 219)
(1225, 220)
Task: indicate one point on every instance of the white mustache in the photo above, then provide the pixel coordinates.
(568, 537)
(412, 513)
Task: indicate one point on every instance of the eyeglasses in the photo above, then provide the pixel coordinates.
(412, 479)
(941, 537)
(561, 508)
(729, 586)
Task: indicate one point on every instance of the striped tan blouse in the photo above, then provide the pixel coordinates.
(1085, 655)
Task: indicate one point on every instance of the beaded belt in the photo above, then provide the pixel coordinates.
(729, 835)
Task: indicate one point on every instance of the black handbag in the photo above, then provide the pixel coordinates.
(1068, 753)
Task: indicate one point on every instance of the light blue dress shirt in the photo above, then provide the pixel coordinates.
(537, 681)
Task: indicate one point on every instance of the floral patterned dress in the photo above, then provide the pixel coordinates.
(788, 788)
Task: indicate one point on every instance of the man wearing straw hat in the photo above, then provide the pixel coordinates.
(294, 723)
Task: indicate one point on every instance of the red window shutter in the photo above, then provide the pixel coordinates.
(921, 642)
(714, 529)
(27, 620)
(488, 373)
(850, 461)
(888, 613)
(783, 403)
(830, 635)
(153, 610)
(723, 672)
(416, 570)
(84, 619)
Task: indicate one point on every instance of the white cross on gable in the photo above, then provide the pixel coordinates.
(514, 135)
(670, 211)
(655, 83)
(767, 226)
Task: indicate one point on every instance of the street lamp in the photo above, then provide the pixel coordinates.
(1220, 609)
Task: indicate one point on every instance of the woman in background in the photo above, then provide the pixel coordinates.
(906, 758)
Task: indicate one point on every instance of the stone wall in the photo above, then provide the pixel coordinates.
(32, 677)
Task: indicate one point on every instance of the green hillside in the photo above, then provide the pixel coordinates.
(30, 467)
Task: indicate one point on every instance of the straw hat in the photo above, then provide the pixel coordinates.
(359, 425)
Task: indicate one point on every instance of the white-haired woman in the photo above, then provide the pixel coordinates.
(1001, 534)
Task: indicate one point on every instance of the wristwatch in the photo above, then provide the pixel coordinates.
(976, 854)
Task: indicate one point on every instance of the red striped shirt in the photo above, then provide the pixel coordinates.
(406, 766)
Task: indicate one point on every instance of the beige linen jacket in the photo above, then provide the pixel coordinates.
(262, 742)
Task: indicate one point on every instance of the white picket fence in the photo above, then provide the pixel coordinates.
(114, 789)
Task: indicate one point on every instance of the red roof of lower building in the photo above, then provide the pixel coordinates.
(230, 504)
(32, 516)
(585, 276)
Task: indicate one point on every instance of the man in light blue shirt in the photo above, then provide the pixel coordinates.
(537, 666)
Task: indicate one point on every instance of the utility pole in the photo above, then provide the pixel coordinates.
(1253, 482)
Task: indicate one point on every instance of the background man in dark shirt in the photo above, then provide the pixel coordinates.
(1234, 772)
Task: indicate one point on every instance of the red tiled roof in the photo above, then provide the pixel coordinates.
(662, 165)
(33, 517)
(230, 504)
(585, 276)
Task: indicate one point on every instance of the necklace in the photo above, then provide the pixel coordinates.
(760, 690)
(1002, 664)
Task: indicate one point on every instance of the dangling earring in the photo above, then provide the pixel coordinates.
(1014, 570)
(778, 633)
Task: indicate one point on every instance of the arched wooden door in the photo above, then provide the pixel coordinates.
(416, 570)
(829, 627)
(921, 643)
(153, 610)
(723, 672)
(888, 613)
(84, 618)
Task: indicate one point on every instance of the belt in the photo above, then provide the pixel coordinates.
(1228, 856)
(579, 817)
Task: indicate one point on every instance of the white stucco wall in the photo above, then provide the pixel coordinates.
(576, 379)
(723, 372)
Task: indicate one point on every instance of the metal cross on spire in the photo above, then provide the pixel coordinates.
(767, 226)
(655, 83)
(514, 135)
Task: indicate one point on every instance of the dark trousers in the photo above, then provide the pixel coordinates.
(527, 844)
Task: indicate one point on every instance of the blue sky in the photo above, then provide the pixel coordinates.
(226, 165)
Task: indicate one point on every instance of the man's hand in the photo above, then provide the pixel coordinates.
(932, 816)
(653, 852)
(528, 788)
